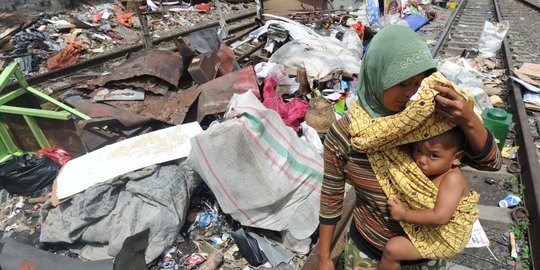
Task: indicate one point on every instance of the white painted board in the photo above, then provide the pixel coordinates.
(122, 157)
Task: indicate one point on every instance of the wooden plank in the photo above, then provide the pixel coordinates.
(530, 69)
(342, 228)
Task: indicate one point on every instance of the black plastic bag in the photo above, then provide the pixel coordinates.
(249, 247)
(28, 175)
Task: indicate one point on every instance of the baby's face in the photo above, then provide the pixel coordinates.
(434, 157)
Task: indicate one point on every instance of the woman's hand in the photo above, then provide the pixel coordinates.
(455, 108)
(396, 208)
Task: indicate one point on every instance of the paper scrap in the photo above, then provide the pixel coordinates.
(478, 236)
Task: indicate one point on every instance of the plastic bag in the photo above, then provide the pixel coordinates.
(352, 41)
(416, 21)
(468, 81)
(249, 247)
(57, 154)
(27, 175)
(310, 135)
(291, 112)
(492, 38)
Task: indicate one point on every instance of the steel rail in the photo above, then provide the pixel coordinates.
(435, 50)
(532, 5)
(528, 159)
(100, 59)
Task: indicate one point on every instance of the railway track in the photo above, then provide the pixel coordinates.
(535, 4)
(462, 32)
(465, 27)
(524, 27)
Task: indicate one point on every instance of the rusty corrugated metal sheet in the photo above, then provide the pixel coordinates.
(96, 110)
(228, 60)
(152, 84)
(166, 65)
(216, 94)
(170, 108)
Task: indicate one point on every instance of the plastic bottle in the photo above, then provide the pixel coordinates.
(509, 201)
(497, 121)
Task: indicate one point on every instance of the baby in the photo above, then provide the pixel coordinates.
(439, 159)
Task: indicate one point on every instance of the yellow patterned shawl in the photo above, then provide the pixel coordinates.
(399, 175)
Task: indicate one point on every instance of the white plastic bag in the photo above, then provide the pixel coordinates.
(492, 38)
(311, 136)
(353, 42)
(468, 81)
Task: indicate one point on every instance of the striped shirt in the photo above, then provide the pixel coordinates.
(370, 215)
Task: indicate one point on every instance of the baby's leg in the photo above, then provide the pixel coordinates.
(397, 249)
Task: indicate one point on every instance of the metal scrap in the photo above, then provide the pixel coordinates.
(170, 108)
(165, 65)
(216, 94)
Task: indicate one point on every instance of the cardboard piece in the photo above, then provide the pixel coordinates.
(525, 78)
(530, 69)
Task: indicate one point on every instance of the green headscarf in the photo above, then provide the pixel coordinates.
(395, 54)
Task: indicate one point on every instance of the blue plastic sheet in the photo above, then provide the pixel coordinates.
(416, 21)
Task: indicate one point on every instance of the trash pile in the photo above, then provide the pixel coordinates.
(52, 41)
(195, 160)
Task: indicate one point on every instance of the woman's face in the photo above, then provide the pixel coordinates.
(396, 97)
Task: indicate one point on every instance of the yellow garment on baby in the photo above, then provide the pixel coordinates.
(399, 175)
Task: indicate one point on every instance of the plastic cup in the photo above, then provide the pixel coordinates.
(509, 201)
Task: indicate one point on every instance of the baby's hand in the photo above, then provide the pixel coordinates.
(396, 208)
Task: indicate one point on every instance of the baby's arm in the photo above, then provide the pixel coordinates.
(450, 191)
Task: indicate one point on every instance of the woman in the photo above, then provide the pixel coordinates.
(394, 66)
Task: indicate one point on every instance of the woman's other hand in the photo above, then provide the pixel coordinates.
(326, 264)
(396, 208)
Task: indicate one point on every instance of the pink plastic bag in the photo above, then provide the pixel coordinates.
(291, 112)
